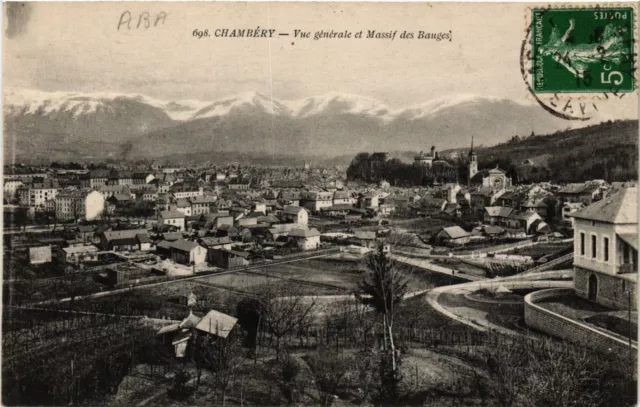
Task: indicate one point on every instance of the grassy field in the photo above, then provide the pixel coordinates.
(323, 270)
(346, 274)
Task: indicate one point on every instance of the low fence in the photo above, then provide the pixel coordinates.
(307, 253)
(28, 331)
(569, 329)
(483, 251)
(464, 339)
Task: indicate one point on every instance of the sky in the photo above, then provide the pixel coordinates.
(78, 47)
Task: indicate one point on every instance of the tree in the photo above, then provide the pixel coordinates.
(353, 318)
(222, 357)
(77, 208)
(329, 368)
(526, 374)
(284, 311)
(359, 167)
(248, 312)
(383, 288)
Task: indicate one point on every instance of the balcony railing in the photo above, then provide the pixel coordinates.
(627, 268)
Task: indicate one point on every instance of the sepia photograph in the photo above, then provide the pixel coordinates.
(319, 204)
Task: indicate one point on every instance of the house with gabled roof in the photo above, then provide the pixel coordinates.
(580, 192)
(295, 214)
(369, 200)
(183, 205)
(172, 218)
(343, 198)
(605, 260)
(518, 221)
(289, 198)
(453, 236)
(279, 230)
(483, 197)
(187, 252)
(202, 204)
(120, 240)
(305, 239)
(316, 200)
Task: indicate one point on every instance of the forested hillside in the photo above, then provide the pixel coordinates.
(606, 151)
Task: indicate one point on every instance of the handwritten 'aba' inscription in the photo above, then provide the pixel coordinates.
(145, 20)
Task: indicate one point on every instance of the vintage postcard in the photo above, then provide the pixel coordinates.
(316, 204)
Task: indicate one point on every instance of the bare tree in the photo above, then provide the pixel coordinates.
(528, 374)
(383, 288)
(77, 208)
(354, 318)
(222, 357)
(284, 311)
(329, 368)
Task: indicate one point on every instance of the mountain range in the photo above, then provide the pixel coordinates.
(76, 126)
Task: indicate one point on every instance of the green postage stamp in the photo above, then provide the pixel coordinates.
(582, 50)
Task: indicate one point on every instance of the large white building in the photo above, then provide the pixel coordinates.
(426, 160)
(190, 193)
(606, 249)
(36, 194)
(77, 205)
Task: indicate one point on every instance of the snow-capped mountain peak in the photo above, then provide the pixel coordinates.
(339, 103)
(334, 122)
(435, 106)
(30, 102)
(240, 103)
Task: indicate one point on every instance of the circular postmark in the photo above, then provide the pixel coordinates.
(573, 75)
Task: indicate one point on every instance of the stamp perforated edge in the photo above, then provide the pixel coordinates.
(577, 96)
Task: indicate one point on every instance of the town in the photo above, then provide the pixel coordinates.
(253, 204)
(157, 284)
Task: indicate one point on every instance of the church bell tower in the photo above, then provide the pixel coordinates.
(473, 162)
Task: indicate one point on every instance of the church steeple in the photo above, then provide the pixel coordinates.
(473, 162)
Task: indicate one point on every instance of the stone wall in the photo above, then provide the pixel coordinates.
(568, 329)
(612, 290)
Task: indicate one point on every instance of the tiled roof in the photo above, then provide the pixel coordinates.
(217, 323)
(214, 241)
(499, 211)
(341, 195)
(573, 189)
(455, 232)
(172, 236)
(143, 238)
(293, 210)
(124, 234)
(184, 245)
(365, 235)
(203, 199)
(183, 203)
(304, 233)
(171, 214)
(337, 207)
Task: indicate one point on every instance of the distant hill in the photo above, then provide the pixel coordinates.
(606, 151)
